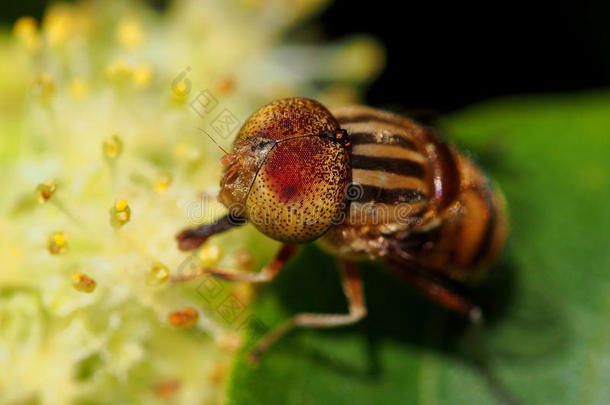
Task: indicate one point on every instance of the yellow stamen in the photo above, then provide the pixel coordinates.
(59, 239)
(43, 86)
(129, 33)
(25, 26)
(112, 147)
(225, 85)
(79, 88)
(229, 341)
(179, 92)
(163, 182)
(181, 150)
(120, 213)
(142, 76)
(82, 282)
(120, 205)
(58, 243)
(167, 389)
(118, 72)
(159, 273)
(26, 30)
(59, 24)
(218, 372)
(184, 318)
(210, 254)
(45, 190)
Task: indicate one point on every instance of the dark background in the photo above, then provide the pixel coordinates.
(443, 56)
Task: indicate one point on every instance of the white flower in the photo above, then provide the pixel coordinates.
(98, 99)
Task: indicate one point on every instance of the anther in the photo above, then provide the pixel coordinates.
(225, 84)
(79, 88)
(44, 86)
(45, 190)
(26, 30)
(142, 76)
(163, 182)
(184, 318)
(210, 255)
(118, 72)
(58, 243)
(129, 33)
(120, 213)
(83, 283)
(167, 389)
(158, 274)
(112, 147)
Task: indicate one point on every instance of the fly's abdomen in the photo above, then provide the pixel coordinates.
(469, 234)
(474, 233)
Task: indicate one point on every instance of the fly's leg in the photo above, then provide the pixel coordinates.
(190, 239)
(437, 292)
(352, 287)
(265, 275)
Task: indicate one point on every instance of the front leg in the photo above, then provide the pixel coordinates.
(192, 238)
(265, 275)
(352, 287)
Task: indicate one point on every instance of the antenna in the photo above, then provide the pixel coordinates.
(212, 139)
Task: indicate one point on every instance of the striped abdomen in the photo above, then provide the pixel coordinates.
(415, 199)
(471, 231)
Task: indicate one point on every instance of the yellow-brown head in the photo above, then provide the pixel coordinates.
(288, 170)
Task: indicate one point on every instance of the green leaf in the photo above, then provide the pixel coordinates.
(546, 339)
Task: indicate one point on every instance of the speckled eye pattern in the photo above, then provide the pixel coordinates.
(299, 191)
(293, 188)
(288, 118)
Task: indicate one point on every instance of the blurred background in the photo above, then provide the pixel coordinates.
(104, 161)
(443, 57)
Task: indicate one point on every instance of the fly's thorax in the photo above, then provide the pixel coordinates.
(286, 174)
(392, 172)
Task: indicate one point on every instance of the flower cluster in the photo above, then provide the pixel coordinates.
(102, 156)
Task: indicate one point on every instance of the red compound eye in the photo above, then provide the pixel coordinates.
(299, 190)
(295, 168)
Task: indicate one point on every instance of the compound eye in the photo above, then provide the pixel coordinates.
(298, 194)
